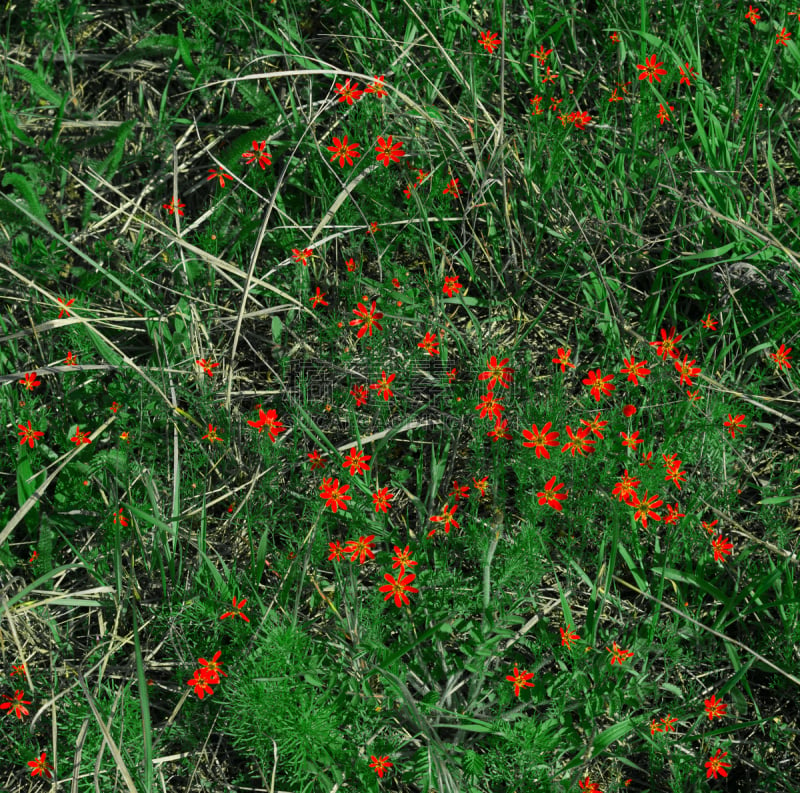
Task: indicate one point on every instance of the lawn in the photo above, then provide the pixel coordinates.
(399, 397)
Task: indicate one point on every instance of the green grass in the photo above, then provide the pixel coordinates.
(598, 235)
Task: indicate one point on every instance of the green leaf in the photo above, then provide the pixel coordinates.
(277, 328)
(614, 733)
(26, 190)
(777, 500)
(37, 84)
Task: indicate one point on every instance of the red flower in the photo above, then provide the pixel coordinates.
(72, 300)
(481, 485)
(490, 406)
(452, 188)
(631, 440)
(206, 367)
(381, 499)
(429, 344)
(344, 151)
(500, 430)
(334, 494)
(783, 37)
(540, 440)
(31, 382)
(578, 443)
(459, 491)
(580, 120)
(563, 359)
(40, 766)
(550, 496)
(597, 384)
(550, 77)
(29, 435)
(781, 358)
(752, 15)
(302, 256)
(497, 373)
(628, 411)
(687, 371)
(445, 517)
(668, 722)
(398, 588)
(625, 489)
(212, 434)
(541, 55)
(356, 461)
(687, 75)
(662, 114)
(716, 766)
(520, 680)
(651, 70)
(70, 360)
(383, 386)
(654, 728)
(568, 638)
(200, 684)
(381, 765)
(361, 394)
(258, 155)
(614, 37)
(618, 655)
(369, 317)
(376, 87)
(721, 545)
(709, 323)
(588, 787)
(123, 521)
(80, 437)
(388, 151)
(237, 612)
(316, 460)
(402, 559)
(734, 424)
(709, 527)
(218, 174)
(318, 299)
(595, 425)
(667, 344)
(645, 508)
(360, 549)
(348, 93)
(675, 475)
(451, 285)
(715, 707)
(15, 704)
(337, 551)
(211, 669)
(634, 369)
(490, 41)
(268, 420)
(171, 208)
(673, 514)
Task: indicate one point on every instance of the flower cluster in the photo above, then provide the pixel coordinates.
(362, 548)
(207, 674)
